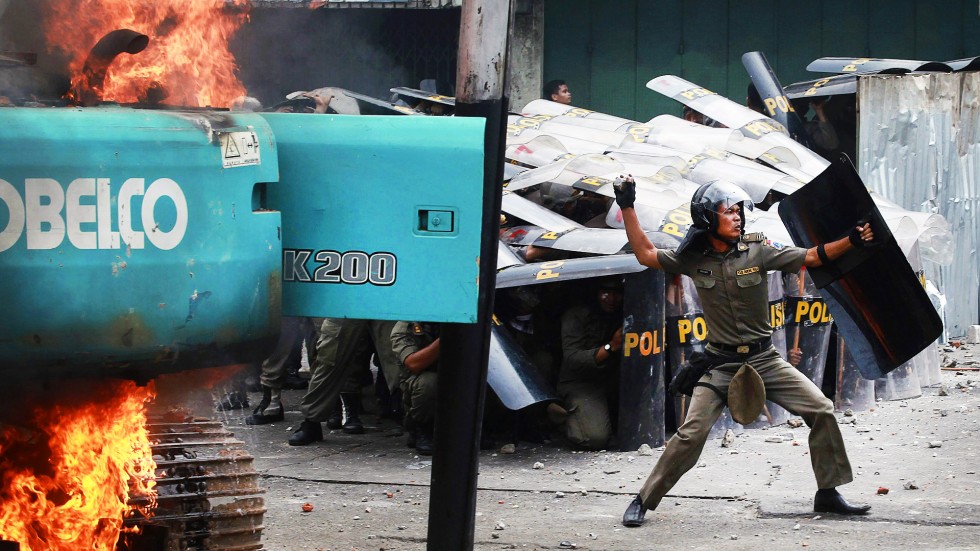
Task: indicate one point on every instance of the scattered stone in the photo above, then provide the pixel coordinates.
(848, 412)
(559, 495)
(500, 525)
(943, 391)
(645, 449)
(728, 439)
(538, 465)
(936, 444)
(795, 423)
(402, 527)
(734, 537)
(584, 493)
(566, 545)
(494, 536)
(882, 490)
(848, 420)
(797, 526)
(911, 485)
(610, 472)
(508, 449)
(357, 517)
(775, 439)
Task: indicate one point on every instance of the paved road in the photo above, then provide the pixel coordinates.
(371, 492)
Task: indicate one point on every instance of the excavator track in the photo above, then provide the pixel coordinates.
(208, 496)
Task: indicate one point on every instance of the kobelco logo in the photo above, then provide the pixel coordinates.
(83, 211)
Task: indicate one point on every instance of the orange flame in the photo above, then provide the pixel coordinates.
(187, 56)
(65, 482)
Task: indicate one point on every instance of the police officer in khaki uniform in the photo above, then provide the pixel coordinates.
(416, 346)
(730, 271)
(592, 341)
(339, 354)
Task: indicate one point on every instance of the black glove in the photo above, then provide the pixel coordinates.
(625, 193)
(854, 236)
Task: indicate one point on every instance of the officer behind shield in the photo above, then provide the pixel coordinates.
(557, 91)
(729, 269)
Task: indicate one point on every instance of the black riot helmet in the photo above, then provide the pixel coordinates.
(709, 197)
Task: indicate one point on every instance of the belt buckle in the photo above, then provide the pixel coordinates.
(743, 349)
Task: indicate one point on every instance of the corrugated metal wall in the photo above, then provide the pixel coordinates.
(919, 146)
(608, 49)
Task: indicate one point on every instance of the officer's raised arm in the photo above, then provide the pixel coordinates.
(860, 236)
(643, 248)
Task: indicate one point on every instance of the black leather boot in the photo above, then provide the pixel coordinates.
(336, 419)
(307, 433)
(269, 409)
(829, 500)
(423, 441)
(634, 513)
(352, 412)
(236, 399)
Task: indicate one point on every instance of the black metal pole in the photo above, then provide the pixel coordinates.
(480, 92)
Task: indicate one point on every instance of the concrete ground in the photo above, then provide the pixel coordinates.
(371, 492)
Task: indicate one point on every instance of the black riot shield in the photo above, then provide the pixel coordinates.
(827, 86)
(808, 325)
(874, 65)
(641, 379)
(776, 104)
(511, 373)
(873, 294)
(854, 392)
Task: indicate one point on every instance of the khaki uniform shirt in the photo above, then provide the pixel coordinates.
(734, 286)
(408, 337)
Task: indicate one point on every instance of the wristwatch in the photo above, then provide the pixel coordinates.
(607, 347)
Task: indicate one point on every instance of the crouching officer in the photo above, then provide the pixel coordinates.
(416, 345)
(730, 271)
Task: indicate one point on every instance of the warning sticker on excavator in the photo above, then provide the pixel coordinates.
(239, 149)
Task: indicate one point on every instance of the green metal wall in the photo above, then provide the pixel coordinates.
(608, 49)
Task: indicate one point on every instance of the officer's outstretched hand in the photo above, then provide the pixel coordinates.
(862, 235)
(625, 189)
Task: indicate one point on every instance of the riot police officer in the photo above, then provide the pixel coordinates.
(730, 270)
(416, 345)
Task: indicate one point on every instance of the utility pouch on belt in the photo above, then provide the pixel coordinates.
(746, 395)
(689, 372)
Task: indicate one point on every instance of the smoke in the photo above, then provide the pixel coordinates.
(285, 50)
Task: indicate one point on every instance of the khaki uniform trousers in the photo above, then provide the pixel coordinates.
(786, 386)
(337, 349)
(292, 331)
(419, 399)
(588, 425)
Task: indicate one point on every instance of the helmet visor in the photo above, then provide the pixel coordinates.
(721, 196)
